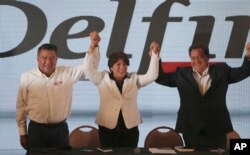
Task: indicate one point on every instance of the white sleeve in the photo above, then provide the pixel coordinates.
(152, 72)
(91, 63)
(21, 105)
(78, 72)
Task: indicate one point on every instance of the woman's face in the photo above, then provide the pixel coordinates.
(119, 69)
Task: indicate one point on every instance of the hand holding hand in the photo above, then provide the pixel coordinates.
(154, 47)
(94, 39)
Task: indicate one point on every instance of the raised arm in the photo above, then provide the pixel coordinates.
(92, 59)
(78, 72)
(153, 68)
(239, 73)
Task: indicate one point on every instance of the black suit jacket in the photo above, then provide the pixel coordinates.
(208, 112)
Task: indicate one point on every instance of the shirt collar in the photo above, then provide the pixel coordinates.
(204, 73)
(43, 75)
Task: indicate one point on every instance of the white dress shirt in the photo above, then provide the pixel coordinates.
(203, 81)
(46, 99)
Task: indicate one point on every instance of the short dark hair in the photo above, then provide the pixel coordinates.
(196, 46)
(114, 57)
(47, 46)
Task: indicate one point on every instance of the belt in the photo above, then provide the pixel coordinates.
(51, 125)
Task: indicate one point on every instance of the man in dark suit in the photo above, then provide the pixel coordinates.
(203, 116)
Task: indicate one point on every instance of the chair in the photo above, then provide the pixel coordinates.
(163, 136)
(84, 136)
(231, 135)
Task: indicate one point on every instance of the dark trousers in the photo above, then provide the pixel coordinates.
(203, 141)
(119, 137)
(48, 135)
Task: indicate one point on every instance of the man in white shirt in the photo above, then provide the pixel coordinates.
(45, 96)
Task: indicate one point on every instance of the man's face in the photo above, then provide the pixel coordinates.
(47, 61)
(199, 60)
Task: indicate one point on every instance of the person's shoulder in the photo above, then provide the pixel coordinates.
(218, 65)
(31, 71)
(62, 68)
(183, 68)
(220, 68)
(132, 74)
(105, 74)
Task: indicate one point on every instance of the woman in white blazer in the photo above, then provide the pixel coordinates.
(118, 116)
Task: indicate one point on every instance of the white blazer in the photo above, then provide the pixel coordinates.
(111, 100)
